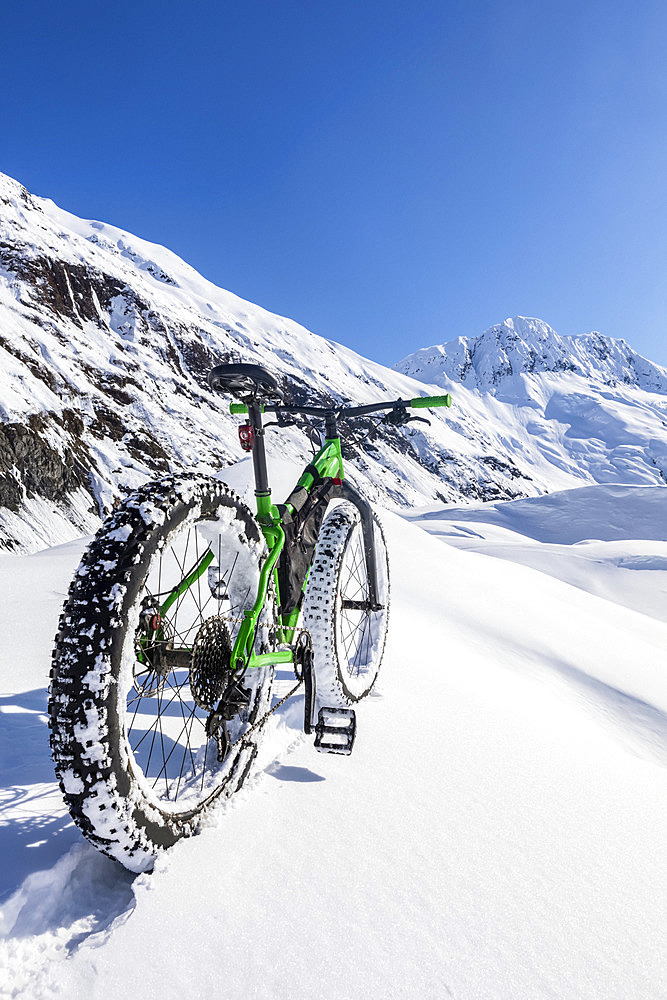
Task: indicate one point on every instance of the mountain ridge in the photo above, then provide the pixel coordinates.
(525, 345)
(105, 343)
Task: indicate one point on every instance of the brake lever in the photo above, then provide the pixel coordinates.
(281, 421)
(399, 416)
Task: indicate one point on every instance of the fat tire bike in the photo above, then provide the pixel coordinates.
(185, 604)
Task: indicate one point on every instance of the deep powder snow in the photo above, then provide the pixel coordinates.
(498, 832)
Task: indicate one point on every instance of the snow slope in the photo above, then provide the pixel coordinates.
(609, 540)
(498, 832)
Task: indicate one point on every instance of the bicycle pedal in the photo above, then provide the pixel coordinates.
(335, 730)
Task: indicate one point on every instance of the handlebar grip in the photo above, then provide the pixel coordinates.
(426, 402)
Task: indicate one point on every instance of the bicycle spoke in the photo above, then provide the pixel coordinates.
(165, 726)
(161, 710)
(355, 625)
(165, 760)
(162, 745)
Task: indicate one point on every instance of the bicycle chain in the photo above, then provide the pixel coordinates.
(260, 722)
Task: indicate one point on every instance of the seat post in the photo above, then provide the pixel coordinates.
(262, 488)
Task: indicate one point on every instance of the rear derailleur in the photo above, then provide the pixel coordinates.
(234, 700)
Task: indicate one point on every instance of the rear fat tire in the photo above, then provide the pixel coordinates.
(92, 686)
(348, 645)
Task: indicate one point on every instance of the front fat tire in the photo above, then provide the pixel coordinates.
(347, 645)
(106, 791)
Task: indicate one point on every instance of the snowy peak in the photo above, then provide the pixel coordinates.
(40, 228)
(524, 346)
(14, 197)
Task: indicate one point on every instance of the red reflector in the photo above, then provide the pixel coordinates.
(338, 482)
(247, 436)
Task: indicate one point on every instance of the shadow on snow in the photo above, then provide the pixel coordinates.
(50, 877)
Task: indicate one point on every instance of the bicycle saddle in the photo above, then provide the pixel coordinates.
(243, 380)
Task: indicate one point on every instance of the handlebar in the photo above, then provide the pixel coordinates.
(419, 403)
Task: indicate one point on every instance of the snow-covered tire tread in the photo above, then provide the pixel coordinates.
(321, 608)
(92, 760)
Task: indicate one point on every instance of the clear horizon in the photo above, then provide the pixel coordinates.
(391, 176)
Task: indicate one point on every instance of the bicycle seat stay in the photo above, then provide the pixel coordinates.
(245, 381)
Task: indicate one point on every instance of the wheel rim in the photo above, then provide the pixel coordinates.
(359, 631)
(164, 727)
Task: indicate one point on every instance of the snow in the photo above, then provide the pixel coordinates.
(525, 345)
(608, 540)
(498, 831)
(104, 329)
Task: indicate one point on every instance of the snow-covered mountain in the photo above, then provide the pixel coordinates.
(590, 406)
(106, 340)
(496, 361)
(105, 343)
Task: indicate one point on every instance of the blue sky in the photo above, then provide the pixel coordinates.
(392, 175)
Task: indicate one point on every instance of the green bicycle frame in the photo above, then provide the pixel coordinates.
(327, 464)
